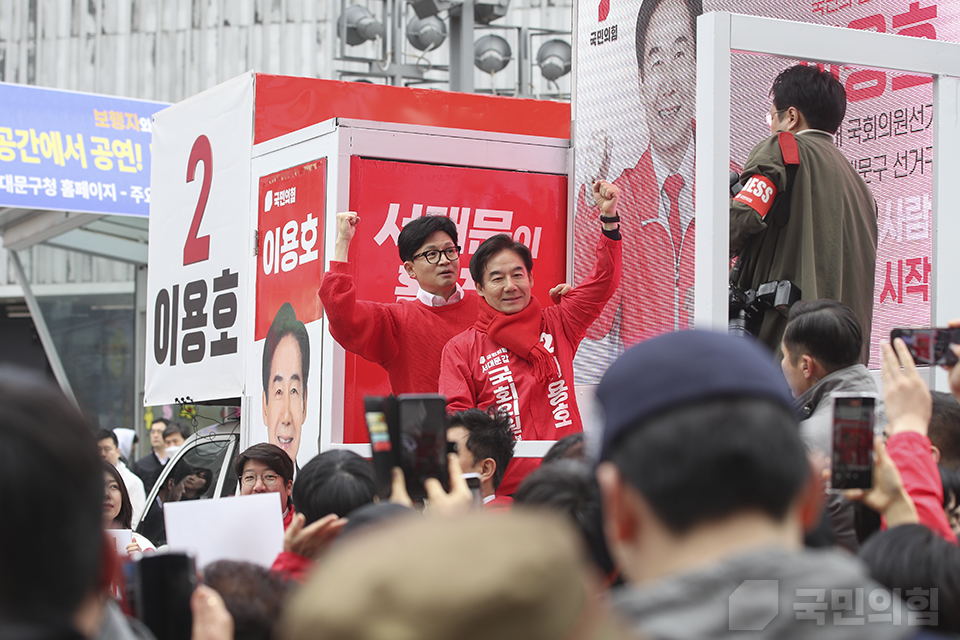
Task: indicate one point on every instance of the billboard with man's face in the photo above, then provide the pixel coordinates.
(288, 311)
(636, 95)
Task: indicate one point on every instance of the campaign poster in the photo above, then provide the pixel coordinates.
(635, 126)
(199, 246)
(284, 384)
(531, 207)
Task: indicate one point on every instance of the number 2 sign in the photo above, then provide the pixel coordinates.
(200, 246)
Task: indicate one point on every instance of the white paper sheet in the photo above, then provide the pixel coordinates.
(246, 528)
(121, 539)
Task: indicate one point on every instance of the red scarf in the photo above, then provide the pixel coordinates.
(520, 333)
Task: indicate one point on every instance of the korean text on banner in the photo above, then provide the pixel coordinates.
(64, 150)
(290, 252)
(199, 245)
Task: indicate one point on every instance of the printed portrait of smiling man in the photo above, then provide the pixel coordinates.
(657, 195)
(286, 366)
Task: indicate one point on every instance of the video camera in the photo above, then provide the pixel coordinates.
(748, 307)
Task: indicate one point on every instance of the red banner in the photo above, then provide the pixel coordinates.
(290, 244)
(530, 207)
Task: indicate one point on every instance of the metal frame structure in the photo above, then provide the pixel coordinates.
(718, 35)
(53, 357)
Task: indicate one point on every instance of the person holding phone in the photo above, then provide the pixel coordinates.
(908, 403)
(484, 445)
(518, 356)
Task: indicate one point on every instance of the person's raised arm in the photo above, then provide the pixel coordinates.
(605, 195)
(906, 397)
(584, 304)
(347, 222)
(908, 404)
(368, 329)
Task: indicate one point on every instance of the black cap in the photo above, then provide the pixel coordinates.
(681, 368)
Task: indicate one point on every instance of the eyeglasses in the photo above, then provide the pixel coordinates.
(433, 256)
(769, 116)
(250, 479)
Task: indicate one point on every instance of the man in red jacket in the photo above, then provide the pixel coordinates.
(519, 356)
(406, 337)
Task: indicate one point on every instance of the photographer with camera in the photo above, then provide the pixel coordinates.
(804, 214)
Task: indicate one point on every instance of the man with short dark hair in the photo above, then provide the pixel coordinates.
(266, 468)
(484, 443)
(110, 452)
(518, 356)
(818, 228)
(151, 465)
(175, 435)
(406, 338)
(707, 492)
(285, 372)
(821, 357)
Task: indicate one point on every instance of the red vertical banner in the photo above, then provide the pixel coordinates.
(290, 243)
(530, 207)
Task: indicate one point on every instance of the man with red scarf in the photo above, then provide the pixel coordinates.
(519, 356)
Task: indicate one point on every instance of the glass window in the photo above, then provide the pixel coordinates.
(193, 477)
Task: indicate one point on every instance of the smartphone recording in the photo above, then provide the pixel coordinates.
(854, 419)
(929, 346)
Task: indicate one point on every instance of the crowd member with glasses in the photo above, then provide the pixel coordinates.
(266, 468)
(818, 228)
(404, 337)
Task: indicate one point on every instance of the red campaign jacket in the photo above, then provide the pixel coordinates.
(475, 371)
(656, 292)
(292, 565)
(910, 452)
(406, 338)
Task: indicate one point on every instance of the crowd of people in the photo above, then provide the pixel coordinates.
(699, 511)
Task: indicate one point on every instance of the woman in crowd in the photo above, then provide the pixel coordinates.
(117, 510)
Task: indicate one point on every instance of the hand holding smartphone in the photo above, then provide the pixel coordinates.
(929, 346)
(854, 419)
(411, 433)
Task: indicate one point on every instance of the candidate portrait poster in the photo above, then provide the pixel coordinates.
(284, 364)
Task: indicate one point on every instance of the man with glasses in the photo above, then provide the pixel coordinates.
(405, 337)
(817, 229)
(266, 468)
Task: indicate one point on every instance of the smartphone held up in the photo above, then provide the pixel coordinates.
(929, 346)
(409, 432)
(854, 420)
